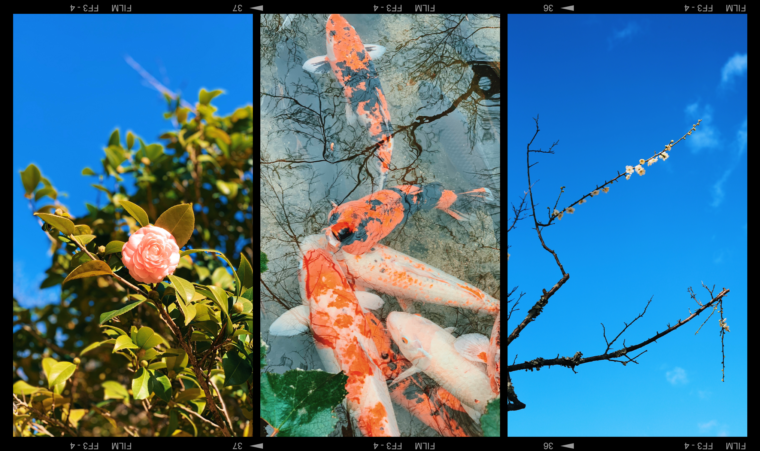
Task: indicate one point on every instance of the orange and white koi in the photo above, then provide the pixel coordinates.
(358, 225)
(392, 272)
(430, 348)
(342, 337)
(351, 62)
(431, 404)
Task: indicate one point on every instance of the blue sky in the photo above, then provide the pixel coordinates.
(72, 87)
(614, 89)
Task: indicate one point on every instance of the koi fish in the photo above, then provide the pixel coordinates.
(342, 338)
(478, 348)
(430, 348)
(358, 225)
(392, 272)
(431, 404)
(351, 62)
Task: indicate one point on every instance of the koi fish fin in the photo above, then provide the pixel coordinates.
(406, 305)
(375, 51)
(411, 371)
(317, 65)
(459, 216)
(473, 347)
(369, 300)
(472, 412)
(292, 322)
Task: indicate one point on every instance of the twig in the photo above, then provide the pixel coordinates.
(192, 412)
(221, 401)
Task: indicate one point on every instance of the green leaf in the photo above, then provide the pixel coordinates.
(22, 388)
(95, 345)
(136, 212)
(88, 171)
(228, 189)
(220, 297)
(112, 331)
(176, 362)
(30, 177)
(154, 151)
(102, 188)
(107, 316)
(140, 384)
(115, 155)
(188, 394)
(59, 222)
(60, 373)
(248, 294)
(245, 272)
(185, 289)
(84, 239)
(204, 97)
(89, 269)
(92, 209)
(114, 390)
(210, 159)
(49, 192)
(190, 312)
(236, 368)
(130, 140)
(82, 229)
(51, 281)
(114, 247)
(221, 278)
(162, 387)
(124, 342)
(147, 339)
(114, 139)
(179, 220)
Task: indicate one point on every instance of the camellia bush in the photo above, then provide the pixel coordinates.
(153, 332)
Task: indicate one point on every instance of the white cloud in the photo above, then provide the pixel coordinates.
(736, 66)
(706, 136)
(717, 189)
(677, 376)
(625, 34)
(704, 427)
(741, 138)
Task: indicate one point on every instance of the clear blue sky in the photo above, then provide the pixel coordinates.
(613, 89)
(72, 88)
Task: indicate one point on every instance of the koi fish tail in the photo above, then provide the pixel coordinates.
(448, 198)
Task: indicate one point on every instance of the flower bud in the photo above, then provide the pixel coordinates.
(77, 361)
(238, 307)
(101, 250)
(119, 169)
(145, 161)
(58, 212)
(144, 364)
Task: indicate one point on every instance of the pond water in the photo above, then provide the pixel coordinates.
(440, 78)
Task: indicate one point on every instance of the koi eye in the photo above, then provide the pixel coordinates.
(403, 340)
(384, 355)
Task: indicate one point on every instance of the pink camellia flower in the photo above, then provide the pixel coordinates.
(150, 254)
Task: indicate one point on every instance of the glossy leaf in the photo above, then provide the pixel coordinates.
(116, 331)
(49, 192)
(88, 171)
(153, 151)
(30, 177)
(147, 339)
(237, 370)
(161, 386)
(60, 372)
(245, 272)
(228, 189)
(114, 247)
(23, 388)
(82, 229)
(188, 394)
(185, 289)
(84, 239)
(124, 342)
(63, 224)
(89, 269)
(213, 251)
(179, 221)
(210, 159)
(114, 155)
(130, 140)
(220, 298)
(114, 139)
(51, 281)
(204, 97)
(95, 345)
(140, 384)
(114, 390)
(107, 316)
(102, 188)
(176, 362)
(136, 212)
(75, 415)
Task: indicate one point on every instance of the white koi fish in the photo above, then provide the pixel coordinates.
(430, 348)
